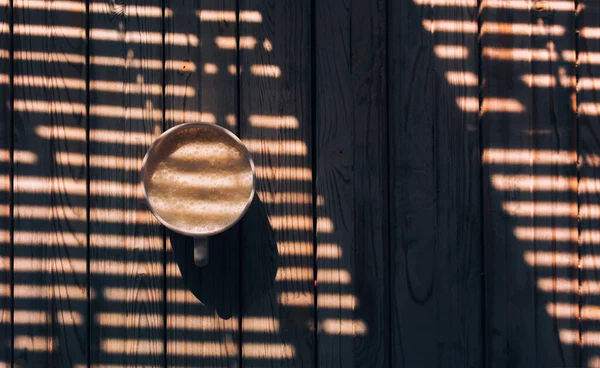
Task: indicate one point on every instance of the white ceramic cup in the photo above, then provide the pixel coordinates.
(155, 154)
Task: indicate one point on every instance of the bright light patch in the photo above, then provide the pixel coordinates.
(230, 43)
(539, 80)
(284, 173)
(589, 84)
(563, 310)
(247, 16)
(551, 259)
(522, 29)
(451, 51)
(558, 285)
(589, 108)
(273, 122)
(590, 32)
(519, 54)
(346, 327)
(541, 209)
(450, 3)
(20, 157)
(459, 78)
(534, 182)
(276, 147)
(113, 111)
(528, 157)
(210, 68)
(468, 104)
(546, 234)
(272, 71)
(451, 26)
(555, 5)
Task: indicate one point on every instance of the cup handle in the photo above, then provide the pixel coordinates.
(201, 251)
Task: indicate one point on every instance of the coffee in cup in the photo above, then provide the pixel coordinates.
(198, 179)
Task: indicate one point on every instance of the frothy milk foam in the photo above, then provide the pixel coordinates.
(203, 181)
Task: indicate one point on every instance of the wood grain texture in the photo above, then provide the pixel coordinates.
(589, 190)
(5, 194)
(203, 315)
(50, 282)
(529, 142)
(352, 225)
(277, 241)
(408, 171)
(126, 242)
(436, 270)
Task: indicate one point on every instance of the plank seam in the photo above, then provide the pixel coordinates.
(313, 148)
(387, 187)
(313, 113)
(391, 177)
(164, 231)
(11, 184)
(481, 187)
(577, 168)
(88, 179)
(238, 128)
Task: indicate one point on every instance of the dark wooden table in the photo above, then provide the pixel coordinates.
(428, 186)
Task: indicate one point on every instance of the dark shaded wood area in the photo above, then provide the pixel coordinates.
(351, 167)
(426, 196)
(435, 188)
(530, 166)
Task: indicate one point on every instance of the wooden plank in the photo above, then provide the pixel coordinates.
(50, 281)
(277, 242)
(126, 242)
(436, 214)
(589, 194)
(529, 141)
(5, 193)
(352, 225)
(202, 320)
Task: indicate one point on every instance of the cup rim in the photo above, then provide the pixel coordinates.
(161, 138)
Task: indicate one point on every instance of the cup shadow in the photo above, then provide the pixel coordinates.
(217, 285)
